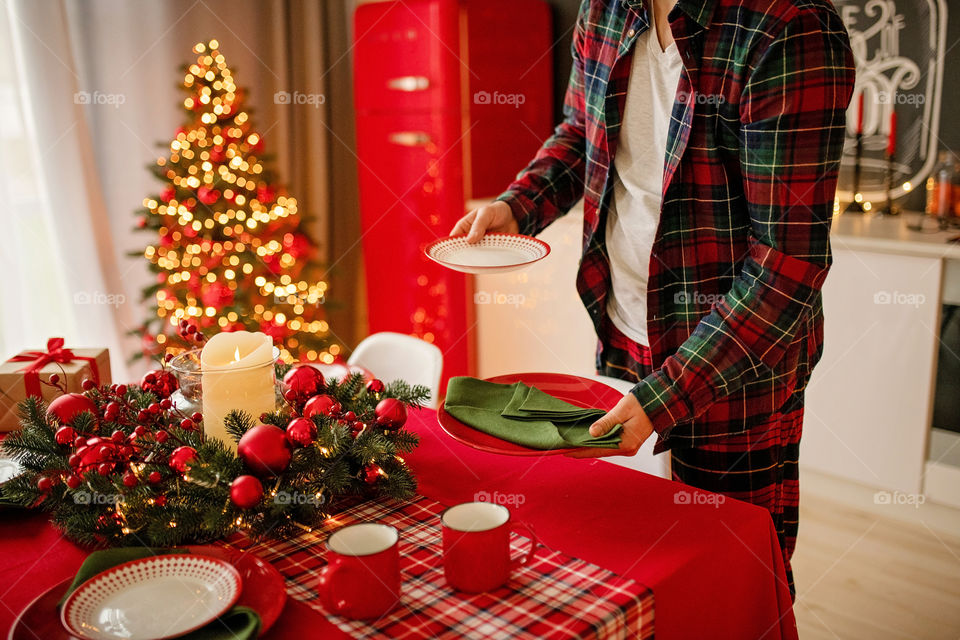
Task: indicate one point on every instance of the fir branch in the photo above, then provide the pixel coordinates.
(238, 423)
(413, 395)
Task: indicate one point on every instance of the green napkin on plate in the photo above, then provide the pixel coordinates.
(239, 623)
(524, 415)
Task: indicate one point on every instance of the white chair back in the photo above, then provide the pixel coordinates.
(391, 356)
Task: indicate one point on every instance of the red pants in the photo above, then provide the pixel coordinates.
(758, 466)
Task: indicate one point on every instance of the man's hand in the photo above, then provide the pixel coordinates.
(493, 217)
(636, 429)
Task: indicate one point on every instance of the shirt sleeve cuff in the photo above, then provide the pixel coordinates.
(665, 405)
(523, 209)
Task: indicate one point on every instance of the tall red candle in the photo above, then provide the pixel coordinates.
(892, 140)
(860, 114)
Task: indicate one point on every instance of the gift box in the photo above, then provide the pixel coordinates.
(21, 376)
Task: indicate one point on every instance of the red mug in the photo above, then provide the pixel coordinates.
(476, 546)
(362, 576)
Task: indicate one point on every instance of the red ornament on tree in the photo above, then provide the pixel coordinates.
(180, 457)
(304, 380)
(301, 432)
(206, 195)
(375, 386)
(265, 450)
(266, 194)
(69, 405)
(246, 492)
(320, 405)
(391, 413)
(217, 295)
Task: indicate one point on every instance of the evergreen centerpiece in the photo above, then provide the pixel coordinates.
(119, 465)
(230, 252)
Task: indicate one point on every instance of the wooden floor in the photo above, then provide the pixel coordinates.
(861, 574)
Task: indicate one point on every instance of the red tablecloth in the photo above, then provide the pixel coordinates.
(715, 569)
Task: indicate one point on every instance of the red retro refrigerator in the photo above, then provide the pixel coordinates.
(453, 98)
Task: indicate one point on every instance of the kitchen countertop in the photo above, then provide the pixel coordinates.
(889, 234)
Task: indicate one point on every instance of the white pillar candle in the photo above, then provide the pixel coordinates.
(237, 374)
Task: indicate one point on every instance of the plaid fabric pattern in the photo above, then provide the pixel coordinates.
(759, 466)
(555, 596)
(735, 321)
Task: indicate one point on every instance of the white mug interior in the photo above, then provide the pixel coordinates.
(475, 516)
(363, 539)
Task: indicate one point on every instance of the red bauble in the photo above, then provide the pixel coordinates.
(266, 194)
(375, 386)
(304, 380)
(69, 405)
(216, 295)
(246, 492)
(160, 383)
(371, 473)
(391, 413)
(65, 435)
(168, 194)
(206, 195)
(320, 405)
(297, 244)
(265, 450)
(44, 484)
(180, 457)
(301, 432)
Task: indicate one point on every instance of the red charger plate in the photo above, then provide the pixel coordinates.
(263, 591)
(582, 392)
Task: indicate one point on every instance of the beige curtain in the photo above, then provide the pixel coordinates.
(129, 53)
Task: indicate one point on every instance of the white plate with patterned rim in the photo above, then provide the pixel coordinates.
(157, 597)
(495, 253)
(9, 469)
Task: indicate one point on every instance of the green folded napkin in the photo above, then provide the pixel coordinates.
(239, 623)
(524, 415)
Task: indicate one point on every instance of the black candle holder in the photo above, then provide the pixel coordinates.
(889, 209)
(856, 206)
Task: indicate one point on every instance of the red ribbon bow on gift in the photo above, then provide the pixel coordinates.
(39, 359)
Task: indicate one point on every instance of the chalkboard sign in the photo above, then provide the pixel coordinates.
(899, 48)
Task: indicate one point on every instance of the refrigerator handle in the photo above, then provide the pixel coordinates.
(410, 138)
(409, 83)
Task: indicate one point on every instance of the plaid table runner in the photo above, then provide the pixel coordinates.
(555, 596)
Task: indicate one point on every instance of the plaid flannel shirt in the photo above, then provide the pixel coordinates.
(735, 317)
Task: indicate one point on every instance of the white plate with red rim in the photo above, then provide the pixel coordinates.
(494, 253)
(157, 597)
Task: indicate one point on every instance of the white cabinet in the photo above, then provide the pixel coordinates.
(869, 400)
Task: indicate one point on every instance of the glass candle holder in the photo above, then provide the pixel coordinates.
(252, 389)
(188, 398)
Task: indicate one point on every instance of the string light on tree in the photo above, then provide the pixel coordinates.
(230, 252)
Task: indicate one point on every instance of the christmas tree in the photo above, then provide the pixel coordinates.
(230, 253)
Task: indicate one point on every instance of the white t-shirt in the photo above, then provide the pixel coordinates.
(638, 178)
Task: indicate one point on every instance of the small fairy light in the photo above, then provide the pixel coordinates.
(173, 524)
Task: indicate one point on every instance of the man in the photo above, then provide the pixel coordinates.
(706, 150)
